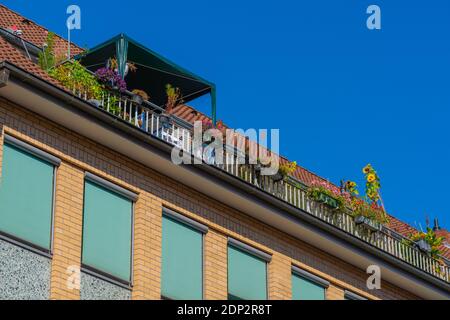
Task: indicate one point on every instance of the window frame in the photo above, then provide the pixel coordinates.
(199, 227)
(348, 295)
(325, 284)
(133, 198)
(51, 160)
(259, 254)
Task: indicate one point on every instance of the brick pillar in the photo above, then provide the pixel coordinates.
(1, 149)
(67, 233)
(280, 278)
(216, 260)
(147, 249)
(334, 293)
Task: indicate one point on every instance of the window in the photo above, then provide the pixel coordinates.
(247, 272)
(107, 228)
(306, 286)
(26, 194)
(352, 296)
(182, 257)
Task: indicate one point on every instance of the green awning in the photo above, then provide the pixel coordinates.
(153, 73)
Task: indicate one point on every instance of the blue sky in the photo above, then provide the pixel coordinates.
(342, 96)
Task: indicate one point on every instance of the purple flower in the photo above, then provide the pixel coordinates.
(112, 78)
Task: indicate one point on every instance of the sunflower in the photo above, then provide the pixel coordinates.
(367, 169)
(371, 178)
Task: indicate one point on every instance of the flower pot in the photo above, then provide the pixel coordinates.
(329, 201)
(423, 246)
(368, 223)
(137, 99)
(277, 177)
(96, 103)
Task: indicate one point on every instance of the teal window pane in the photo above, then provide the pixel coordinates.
(247, 276)
(26, 197)
(303, 289)
(182, 261)
(107, 224)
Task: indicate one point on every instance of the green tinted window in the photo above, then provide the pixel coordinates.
(247, 276)
(182, 261)
(107, 225)
(303, 289)
(26, 197)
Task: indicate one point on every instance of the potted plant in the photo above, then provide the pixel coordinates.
(139, 96)
(369, 212)
(285, 170)
(328, 194)
(428, 242)
(174, 98)
(112, 79)
(367, 215)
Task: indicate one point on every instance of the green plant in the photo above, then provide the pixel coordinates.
(287, 169)
(373, 184)
(431, 238)
(174, 97)
(47, 58)
(319, 188)
(75, 77)
(371, 211)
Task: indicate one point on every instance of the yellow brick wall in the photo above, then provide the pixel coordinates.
(215, 266)
(155, 191)
(334, 293)
(147, 249)
(280, 277)
(67, 233)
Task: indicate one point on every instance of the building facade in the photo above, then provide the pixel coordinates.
(92, 207)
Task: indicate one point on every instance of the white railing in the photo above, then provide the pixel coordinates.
(163, 127)
(384, 239)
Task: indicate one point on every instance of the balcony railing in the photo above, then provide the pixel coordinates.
(150, 119)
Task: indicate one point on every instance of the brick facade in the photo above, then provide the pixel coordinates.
(156, 191)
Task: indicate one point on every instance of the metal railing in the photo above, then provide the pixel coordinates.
(148, 117)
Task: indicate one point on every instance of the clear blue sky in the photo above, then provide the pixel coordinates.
(343, 96)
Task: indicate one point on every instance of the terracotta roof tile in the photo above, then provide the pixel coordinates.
(32, 32)
(9, 53)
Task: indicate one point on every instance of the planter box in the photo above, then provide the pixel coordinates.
(329, 201)
(368, 223)
(423, 246)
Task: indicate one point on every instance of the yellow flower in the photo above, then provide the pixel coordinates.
(371, 178)
(366, 169)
